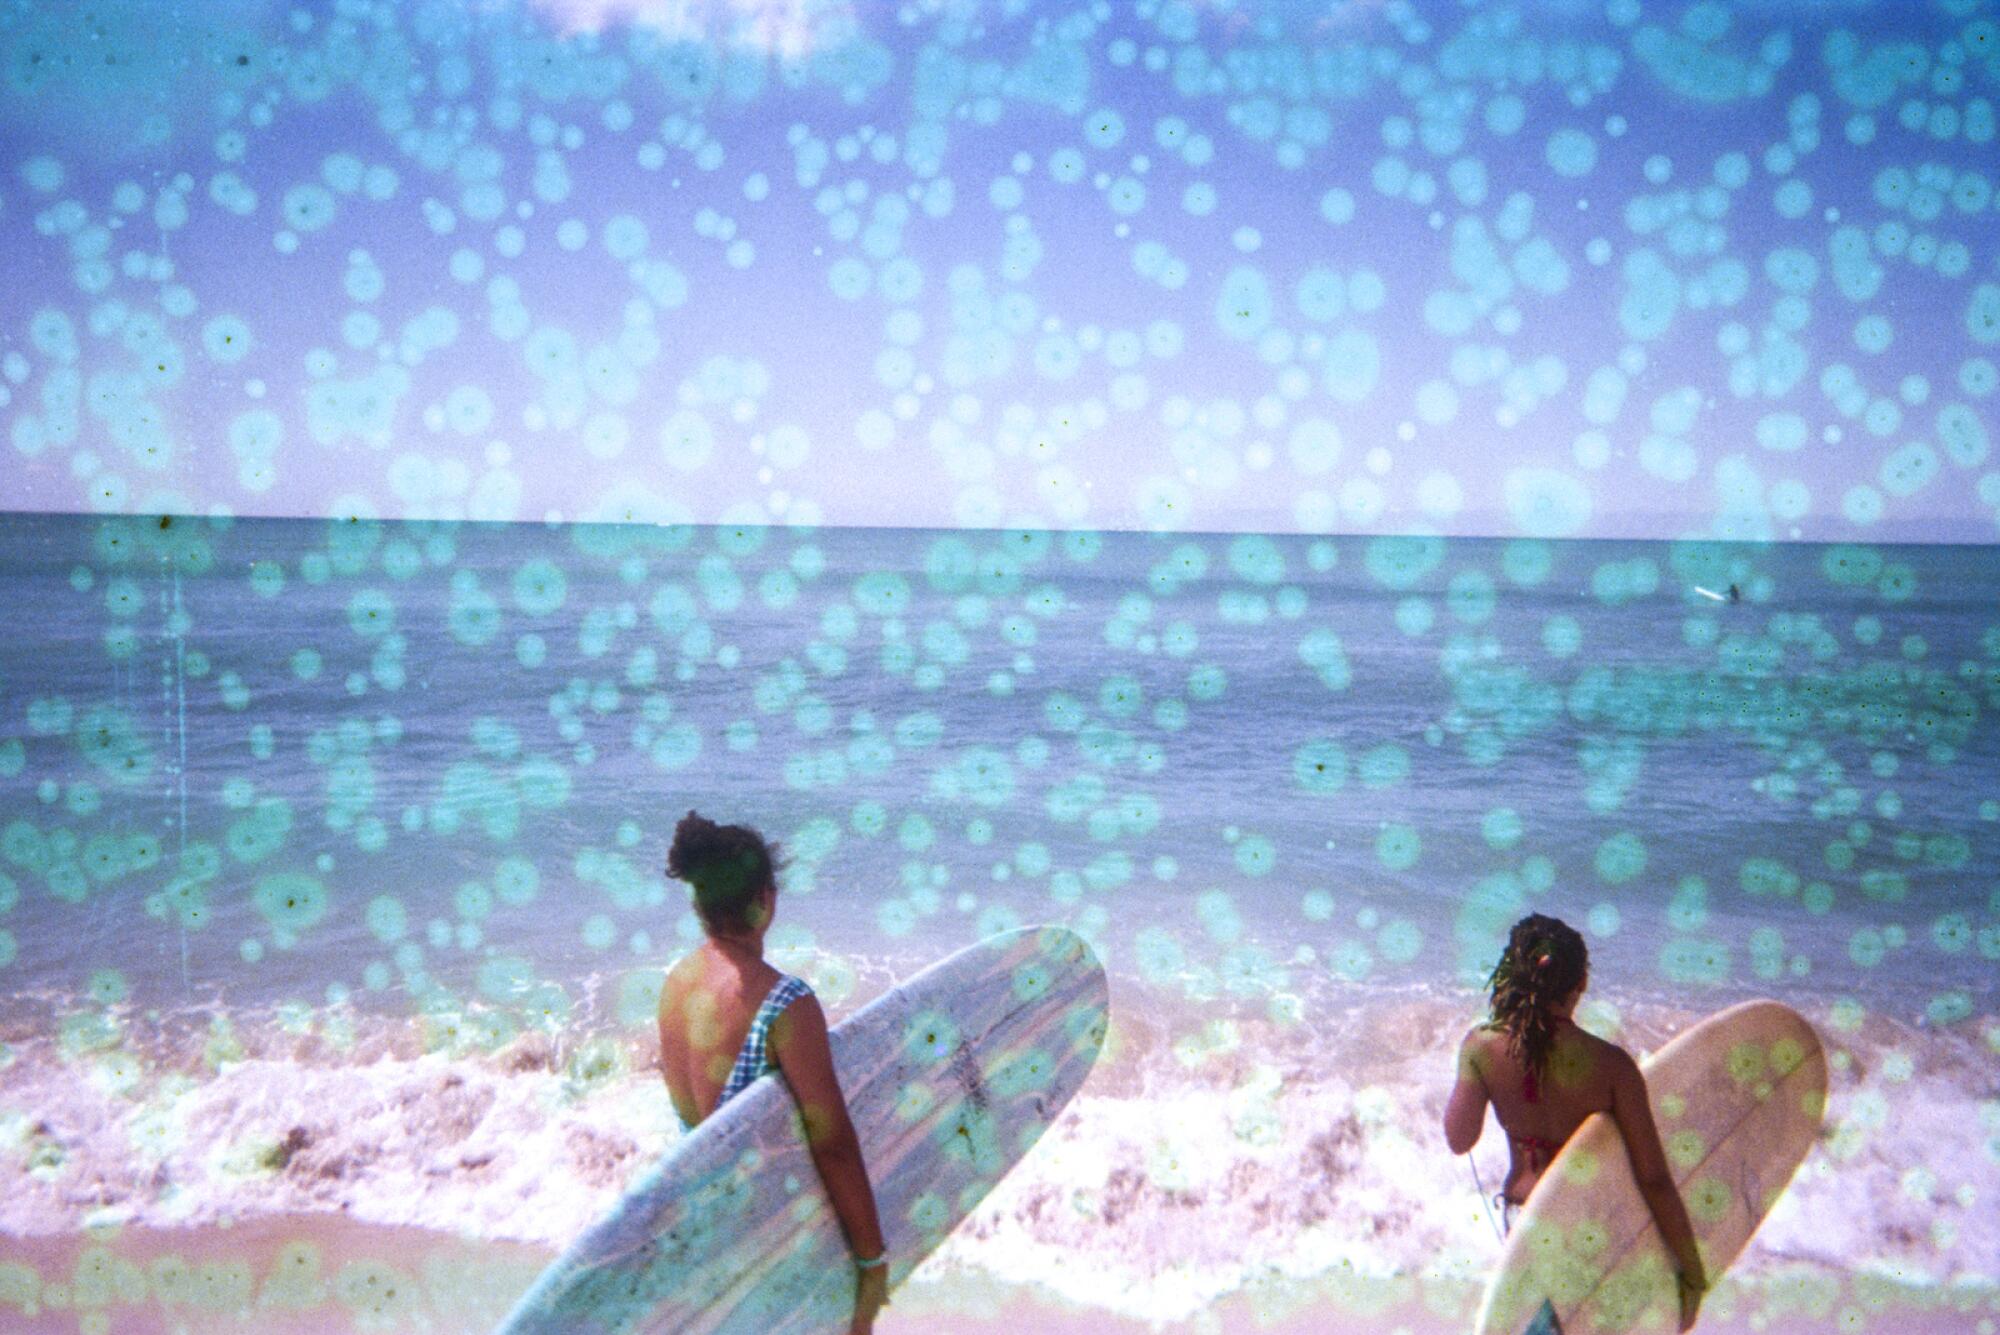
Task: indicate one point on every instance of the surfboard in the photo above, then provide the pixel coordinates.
(949, 1077)
(1739, 1100)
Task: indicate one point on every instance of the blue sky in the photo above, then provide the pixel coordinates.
(1621, 269)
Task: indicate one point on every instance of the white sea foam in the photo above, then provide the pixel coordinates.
(1211, 1150)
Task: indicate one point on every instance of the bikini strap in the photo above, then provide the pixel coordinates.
(1541, 1151)
(753, 1059)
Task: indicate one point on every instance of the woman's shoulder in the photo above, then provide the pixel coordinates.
(1574, 1033)
(681, 973)
(1482, 1043)
(791, 1008)
(789, 988)
(1580, 1050)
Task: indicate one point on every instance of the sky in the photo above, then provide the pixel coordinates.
(1619, 269)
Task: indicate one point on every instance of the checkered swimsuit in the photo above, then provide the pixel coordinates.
(753, 1060)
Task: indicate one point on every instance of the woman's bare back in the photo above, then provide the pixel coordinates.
(707, 1004)
(1576, 1084)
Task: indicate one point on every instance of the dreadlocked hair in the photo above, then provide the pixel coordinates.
(1544, 960)
(728, 866)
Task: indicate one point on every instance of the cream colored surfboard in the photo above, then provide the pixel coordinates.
(1739, 1100)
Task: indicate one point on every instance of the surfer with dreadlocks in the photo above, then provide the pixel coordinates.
(1544, 1076)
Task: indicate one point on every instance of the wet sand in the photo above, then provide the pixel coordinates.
(1403, 1306)
(287, 1275)
(328, 1273)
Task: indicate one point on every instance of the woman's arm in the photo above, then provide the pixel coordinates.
(1633, 1111)
(1465, 1111)
(798, 1040)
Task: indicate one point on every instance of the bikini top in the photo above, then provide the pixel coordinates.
(753, 1059)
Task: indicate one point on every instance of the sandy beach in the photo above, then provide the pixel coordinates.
(313, 1273)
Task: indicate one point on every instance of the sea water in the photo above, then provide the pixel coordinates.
(330, 867)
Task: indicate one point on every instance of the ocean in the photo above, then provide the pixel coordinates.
(332, 910)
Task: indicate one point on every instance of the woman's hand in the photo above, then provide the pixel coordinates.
(871, 1295)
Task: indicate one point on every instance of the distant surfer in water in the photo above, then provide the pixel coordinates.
(727, 1017)
(1544, 1075)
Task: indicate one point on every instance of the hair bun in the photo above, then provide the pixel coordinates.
(691, 838)
(727, 866)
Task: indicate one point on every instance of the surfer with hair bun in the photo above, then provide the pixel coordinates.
(728, 1017)
(1544, 1076)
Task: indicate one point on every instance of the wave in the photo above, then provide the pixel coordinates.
(1216, 1147)
(1261, 1150)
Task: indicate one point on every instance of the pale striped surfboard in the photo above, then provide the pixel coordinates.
(949, 1078)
